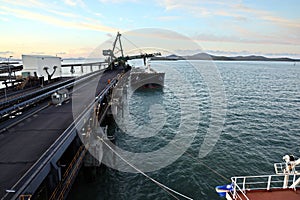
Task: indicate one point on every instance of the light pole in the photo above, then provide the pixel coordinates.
(9, 70)
(9, 75)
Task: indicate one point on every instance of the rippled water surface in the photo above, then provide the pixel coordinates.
(262, 124)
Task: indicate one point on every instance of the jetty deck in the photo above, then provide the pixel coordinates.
(24, 143)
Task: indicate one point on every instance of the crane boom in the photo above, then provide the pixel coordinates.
(123, 59)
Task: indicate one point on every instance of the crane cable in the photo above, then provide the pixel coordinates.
(190, 155)
(141, 51)
(208, 167)
(202, 163)
(166, 188)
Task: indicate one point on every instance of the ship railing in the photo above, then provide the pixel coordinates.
(237, 192)
(242, 184)
(284, 168)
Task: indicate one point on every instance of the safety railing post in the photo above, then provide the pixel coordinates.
(269, 182)
(234, 188)
(244, 184)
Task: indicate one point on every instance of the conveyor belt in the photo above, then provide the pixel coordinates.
(19, 97)
(24, 101)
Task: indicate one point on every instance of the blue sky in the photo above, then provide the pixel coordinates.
(73, 28)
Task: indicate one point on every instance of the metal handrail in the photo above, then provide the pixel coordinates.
(27, 95)
(281, 168)
(46, 157)
(66, 174)
(17, 99)
(70, 179)
(34, 100)
(243, 181)
(236, 190)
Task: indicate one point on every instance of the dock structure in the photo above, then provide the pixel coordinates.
(11, 80)
(41, 144)
(41, 152)
(87, 64)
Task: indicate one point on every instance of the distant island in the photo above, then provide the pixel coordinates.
(198, 56)
(206, 56)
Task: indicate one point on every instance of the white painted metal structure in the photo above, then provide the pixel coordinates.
(286, 179)
(38, 63)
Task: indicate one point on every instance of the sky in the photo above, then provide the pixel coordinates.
(73, 28)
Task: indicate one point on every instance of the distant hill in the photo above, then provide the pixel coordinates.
(169, 57)
(206, 56)
(4, 59)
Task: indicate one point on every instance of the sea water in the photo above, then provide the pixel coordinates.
(261, 124)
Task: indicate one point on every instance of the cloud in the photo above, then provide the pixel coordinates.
(230, 53)
(116, 1)
(267, 16)
(87, 23)
(61, 53)
(70, 2)
(64, 14)
(28, 3)
(282, 21)
(265, 21)
(74, 2)
(168, 18)
(3, 13)
(250, 37)
(196, 7)
(52, 8)
(187, 52)
(235, 9)
(4, 19)
(6, 52)
(37, 4)
(54, 15)
(37, 52)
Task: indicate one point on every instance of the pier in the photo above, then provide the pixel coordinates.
(41, 151)
(45, 117)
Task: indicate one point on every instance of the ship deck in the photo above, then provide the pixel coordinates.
(280, 194)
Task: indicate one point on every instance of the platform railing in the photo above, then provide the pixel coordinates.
(45, 160)
(68, 177)
(242, 184)
(282, 168)
(19, 106)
